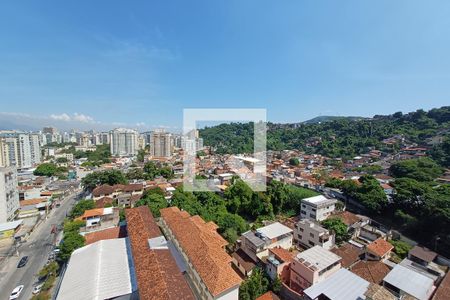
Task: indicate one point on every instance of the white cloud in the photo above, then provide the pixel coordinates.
(61, 117)
(82, 118)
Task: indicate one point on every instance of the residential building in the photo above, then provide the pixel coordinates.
(101, 270)
(309, 234)
(124, 142)
(159, 266)
(256, 244)
(379, 249)
(404, 282)
(313, 266)
(8, 229)
(161, 144)
(20, 149)
(372, 271)
(99, 218)
(4, 154)
(349, 253)
(316, 208)
(202, 249)
(342, 285)
(9, 195)
(277, 264)
(244, 263)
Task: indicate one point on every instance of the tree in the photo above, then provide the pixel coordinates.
(254, 286)
(73, 226)
(110, 177)
(371, 194)
(135, 173)
(295, 195)
(61, 160)
(441, 153)
(278, 193)
(49, 269)
(420, 169)
(155, 202)
(82, 206)
(294, 161)
(141, 155)
(400, 248)
(70, 242)
(231, 226)
(339, 228)
(46, 169)
(151, 170)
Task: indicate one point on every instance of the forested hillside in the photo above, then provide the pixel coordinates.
(339, 138)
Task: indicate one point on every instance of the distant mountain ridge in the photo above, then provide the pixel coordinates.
(322, 119)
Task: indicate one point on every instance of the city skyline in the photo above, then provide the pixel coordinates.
(139, 65)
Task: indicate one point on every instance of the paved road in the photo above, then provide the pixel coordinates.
(37, 247)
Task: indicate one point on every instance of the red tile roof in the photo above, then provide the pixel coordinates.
(372, 271)
(347, 217)
(443, 290)
(268, 296)
(204, 248)
(282, 254)
(104, 189)
(158, 276)
(380, 247)
(100, 203)
(106, 234)
(133, 187)
(349, 253)
(32, 201)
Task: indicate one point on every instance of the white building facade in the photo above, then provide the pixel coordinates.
(124, 142)
(317, 208)
(9, 195)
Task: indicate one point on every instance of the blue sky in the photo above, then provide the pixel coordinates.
(139, 63)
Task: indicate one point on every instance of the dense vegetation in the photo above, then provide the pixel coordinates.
(339, 138)
(101, 155)
(111, 177)
(49, 170)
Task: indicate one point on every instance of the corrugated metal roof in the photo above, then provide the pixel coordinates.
(409, 281)
(274, 230)
(318, 257)
(99, 271)
(342, 285)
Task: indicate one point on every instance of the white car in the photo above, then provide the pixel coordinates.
(37, 289)
(16, 292)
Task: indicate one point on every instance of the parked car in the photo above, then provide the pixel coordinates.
(16, 292)
(37, 289)
(23, 261)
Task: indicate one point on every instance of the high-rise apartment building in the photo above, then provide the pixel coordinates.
(123, 142)
(20, 149)
(9, 195)
(161, 144)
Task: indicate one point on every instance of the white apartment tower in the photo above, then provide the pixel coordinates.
(124, 142)
(20, 149)
(9, 195)
(161, 144)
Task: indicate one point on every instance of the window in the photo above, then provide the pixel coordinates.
(300, 237)
(314, 210)
(311, 243)
(311, 235)
(312, 216)
(301, 230)
(303, 212)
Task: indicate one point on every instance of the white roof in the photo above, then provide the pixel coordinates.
(10, 225)
(274, 230)
(108, 210)
(99, 271)
(410, 281)
(342, 285)
(317, 200)
(248, 159)
(318, 257)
